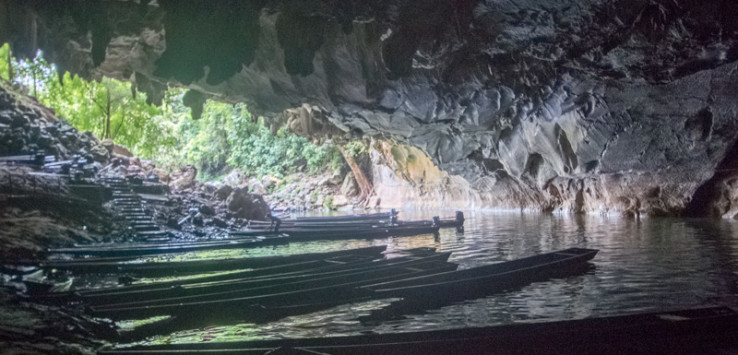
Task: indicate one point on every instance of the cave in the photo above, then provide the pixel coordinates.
(609, 125)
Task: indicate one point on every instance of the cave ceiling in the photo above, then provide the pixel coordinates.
(523, 89)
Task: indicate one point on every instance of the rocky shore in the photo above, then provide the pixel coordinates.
(54, 191)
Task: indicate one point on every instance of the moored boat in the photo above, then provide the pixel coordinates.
(134, 249)
(241, 287)
(268, 306)
(469, 283)
(199, 266)
(687, 331)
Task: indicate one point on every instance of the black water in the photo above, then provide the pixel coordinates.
(644, 265)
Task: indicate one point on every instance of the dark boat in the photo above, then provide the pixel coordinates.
(470, 283)
(712, 330)
(266, 306)
(356, 217)
(133, 249)
(364, 226)
(348, 232)
(249, 286)
(199, 266)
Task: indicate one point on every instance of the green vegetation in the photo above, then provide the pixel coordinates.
(226, 135)
(356, 148)
(6, 70)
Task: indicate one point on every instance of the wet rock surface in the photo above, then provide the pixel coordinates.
(27, 327)
(528, 101)
(41, 209)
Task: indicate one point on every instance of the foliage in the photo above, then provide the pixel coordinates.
(4, 64)
(109, 108)
(226, 135)
(356, 148)
(328, 203)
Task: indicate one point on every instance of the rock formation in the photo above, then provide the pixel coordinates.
(571, 105)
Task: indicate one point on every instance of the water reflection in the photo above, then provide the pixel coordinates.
(643, 265)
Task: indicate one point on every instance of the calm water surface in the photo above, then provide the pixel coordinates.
(643, 265)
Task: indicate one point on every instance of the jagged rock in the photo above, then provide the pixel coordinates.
(235, 178)
(508, 95)
(247, 206)
(162, 175)
(215, 221)
(257, 187)
(99, 154)
(269, 181)
(349, 186)
(340, 201)
(223, 192)
(206, 210)
(184, 178)
(133, 170)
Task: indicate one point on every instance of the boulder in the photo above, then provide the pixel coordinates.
(247, 206)
(257, 187)
(222, 193)
(99, 153)
(162, 174)
(350, 187)
(235, 178)
(269, 181)
(206, 210)
(238, 200)
(122, 150)
(340, 201)
(184, 178)
(133, 170)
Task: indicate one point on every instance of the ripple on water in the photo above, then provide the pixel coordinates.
(643, 265)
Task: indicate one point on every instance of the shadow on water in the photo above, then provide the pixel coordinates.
(644, 265)
(402, 308)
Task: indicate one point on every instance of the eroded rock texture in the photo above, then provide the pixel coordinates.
(625, 105)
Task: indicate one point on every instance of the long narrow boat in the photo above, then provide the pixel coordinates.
(264, 307)
(508, 274)
(468, 283)
(199, 266)
(122, 249)
(303, 267)
(709, 330)
(356, 217)
(349, 232)
(259, 286)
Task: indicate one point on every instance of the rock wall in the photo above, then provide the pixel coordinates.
(405, 177)
(572, 105)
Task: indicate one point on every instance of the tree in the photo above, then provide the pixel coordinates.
(225, 136)
(6, 62)
(350, 151)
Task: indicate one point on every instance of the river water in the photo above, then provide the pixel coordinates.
(646, 264)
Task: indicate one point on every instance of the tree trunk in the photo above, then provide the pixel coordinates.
(107, 114)
(367, 190)
(10, 64)
(33, 72)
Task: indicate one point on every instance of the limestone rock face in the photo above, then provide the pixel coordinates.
(575, 105)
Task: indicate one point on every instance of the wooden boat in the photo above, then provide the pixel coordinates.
(199, 266)
(267, 306)
(471, 283)
(131, 249)
(259, 286)
(302, 267)
(349, 232)
(688, 331)
(370, 216)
